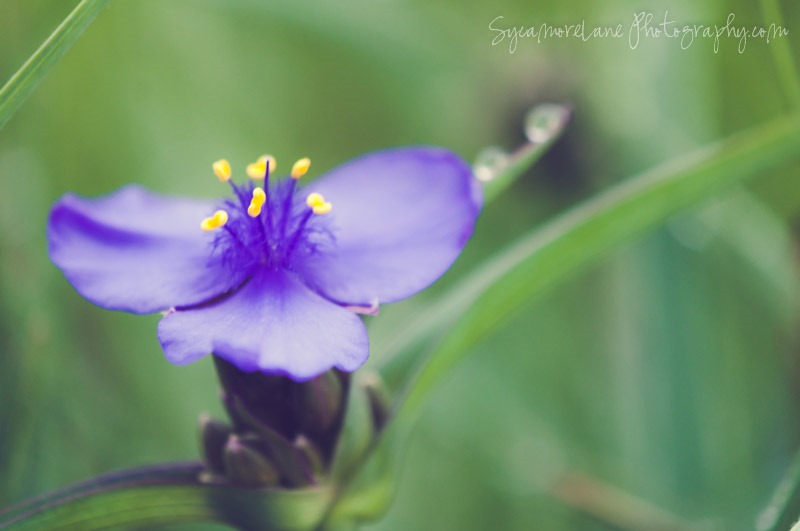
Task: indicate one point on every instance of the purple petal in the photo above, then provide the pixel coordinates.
(400, 219)
(272, 324)
(137, 251)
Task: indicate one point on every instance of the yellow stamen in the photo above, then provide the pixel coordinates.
(318, 204)
(216, 221)
(300, 167)
(259, 197)
(258, 169)
(314, 199)
(322, 209)
(222, 168)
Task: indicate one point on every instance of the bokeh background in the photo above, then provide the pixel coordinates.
(667, 373)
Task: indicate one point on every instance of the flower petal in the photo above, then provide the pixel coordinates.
(137, 251)
(272, 324)
(400, 218)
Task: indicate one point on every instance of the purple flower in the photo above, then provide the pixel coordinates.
(271, 279)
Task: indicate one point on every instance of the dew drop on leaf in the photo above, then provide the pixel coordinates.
(544, 121)
(489, 162)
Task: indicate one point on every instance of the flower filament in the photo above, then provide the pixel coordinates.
(269, 226)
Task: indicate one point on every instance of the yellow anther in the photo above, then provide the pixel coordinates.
(318, 204)
(300, 167)
(258, 169)
(315, 199)
(216, 221)
(222, 168)
(259, 197)
(322, 209)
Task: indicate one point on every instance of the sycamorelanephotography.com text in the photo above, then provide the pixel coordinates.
(642, 26)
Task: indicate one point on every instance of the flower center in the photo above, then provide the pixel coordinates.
(268, 226)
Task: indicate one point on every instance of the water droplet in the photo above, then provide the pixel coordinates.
(489, 162)
(545, 121)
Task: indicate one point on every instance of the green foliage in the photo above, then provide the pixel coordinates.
(555, 379)
(172, 494)
(21, 84)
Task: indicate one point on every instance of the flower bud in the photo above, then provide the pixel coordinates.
(311, 453)
(277, 405)
(318, 403)
(292, 465)
(213, 437)
(379, 400)
(247, 466)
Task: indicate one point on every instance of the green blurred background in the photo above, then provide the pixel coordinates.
(668, 372)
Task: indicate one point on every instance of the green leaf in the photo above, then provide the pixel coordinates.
(169, 494)
(25, 80)
(483, 300)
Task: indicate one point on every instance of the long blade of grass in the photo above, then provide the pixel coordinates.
(782, 53)
(551, 254)
(25, 80)
(165, 495)
(482, 301)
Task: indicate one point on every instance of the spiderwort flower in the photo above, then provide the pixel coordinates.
(272, 278)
